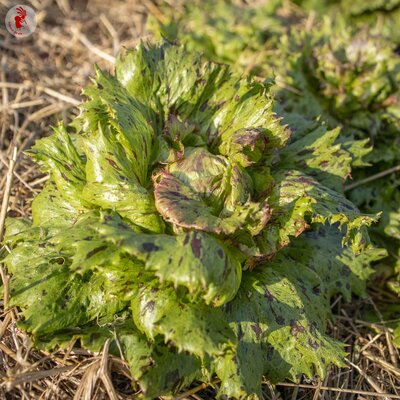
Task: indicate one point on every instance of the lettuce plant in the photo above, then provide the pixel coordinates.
(226, 31)
(352, 80)
(382, 17)
(348, 78)
(184, 223)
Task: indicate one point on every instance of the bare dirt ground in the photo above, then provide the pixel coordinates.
(41, 78)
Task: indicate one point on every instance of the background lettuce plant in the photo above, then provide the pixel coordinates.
(188, 224)
(351, 79)
(382, 17)
(238, 33)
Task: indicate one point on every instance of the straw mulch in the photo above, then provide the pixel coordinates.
(40, 82)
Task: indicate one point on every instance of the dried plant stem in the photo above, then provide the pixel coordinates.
(3, 213)
(59, 96)
(196, 389)
(103, 373)
(369, 379)
(95, 50)
(7, 192)
(372, 178)
(35, 376)
(335, 389)
(383, 363)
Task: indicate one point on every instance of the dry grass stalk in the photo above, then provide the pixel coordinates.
(7, 192)
(340, 390)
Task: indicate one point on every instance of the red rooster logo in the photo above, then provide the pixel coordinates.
(20, 18)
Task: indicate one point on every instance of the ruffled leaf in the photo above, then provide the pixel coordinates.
(194, 260)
